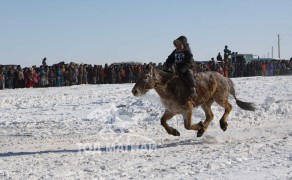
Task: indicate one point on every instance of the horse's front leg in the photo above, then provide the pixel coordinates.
(188, 122)
(187, 115)
(166, 116)
(209, 116)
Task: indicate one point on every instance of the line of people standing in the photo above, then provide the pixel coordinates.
(62, 74)
(228, 68)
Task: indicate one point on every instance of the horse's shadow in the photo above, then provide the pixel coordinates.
(180, 143)
(142, 147)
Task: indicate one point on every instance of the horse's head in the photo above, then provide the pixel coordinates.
(148, 80)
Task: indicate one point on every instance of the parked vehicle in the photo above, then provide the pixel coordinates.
(237, 58)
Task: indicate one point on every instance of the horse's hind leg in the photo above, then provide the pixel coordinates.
(209, 117)
(166, 116)
(228, 108)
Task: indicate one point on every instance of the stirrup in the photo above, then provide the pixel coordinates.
(193, 93)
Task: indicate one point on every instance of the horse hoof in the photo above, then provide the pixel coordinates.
(175, 132)
(200, 132)
(223, 126)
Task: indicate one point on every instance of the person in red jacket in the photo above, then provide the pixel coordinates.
(264, 69)
(226, 70)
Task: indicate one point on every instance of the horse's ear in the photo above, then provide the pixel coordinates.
(149, 67)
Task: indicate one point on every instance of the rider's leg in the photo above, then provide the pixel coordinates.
(192, 82)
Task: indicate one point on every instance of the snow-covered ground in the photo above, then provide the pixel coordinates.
(104, 132)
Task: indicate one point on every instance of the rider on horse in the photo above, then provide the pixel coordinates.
(182, 59)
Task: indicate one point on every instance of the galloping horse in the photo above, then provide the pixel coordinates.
(174, 94)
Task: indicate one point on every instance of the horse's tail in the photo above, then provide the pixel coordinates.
(243, 105)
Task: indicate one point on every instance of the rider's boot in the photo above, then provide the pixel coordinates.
(193, 93)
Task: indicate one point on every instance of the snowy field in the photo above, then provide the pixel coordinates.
(104, 132)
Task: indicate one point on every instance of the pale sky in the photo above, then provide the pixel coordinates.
(107, 31)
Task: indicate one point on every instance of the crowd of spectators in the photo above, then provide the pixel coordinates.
(243, 69)
(62, 74)
(258, 67)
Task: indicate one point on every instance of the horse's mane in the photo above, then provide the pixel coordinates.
(167, 71)
(198, 77)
